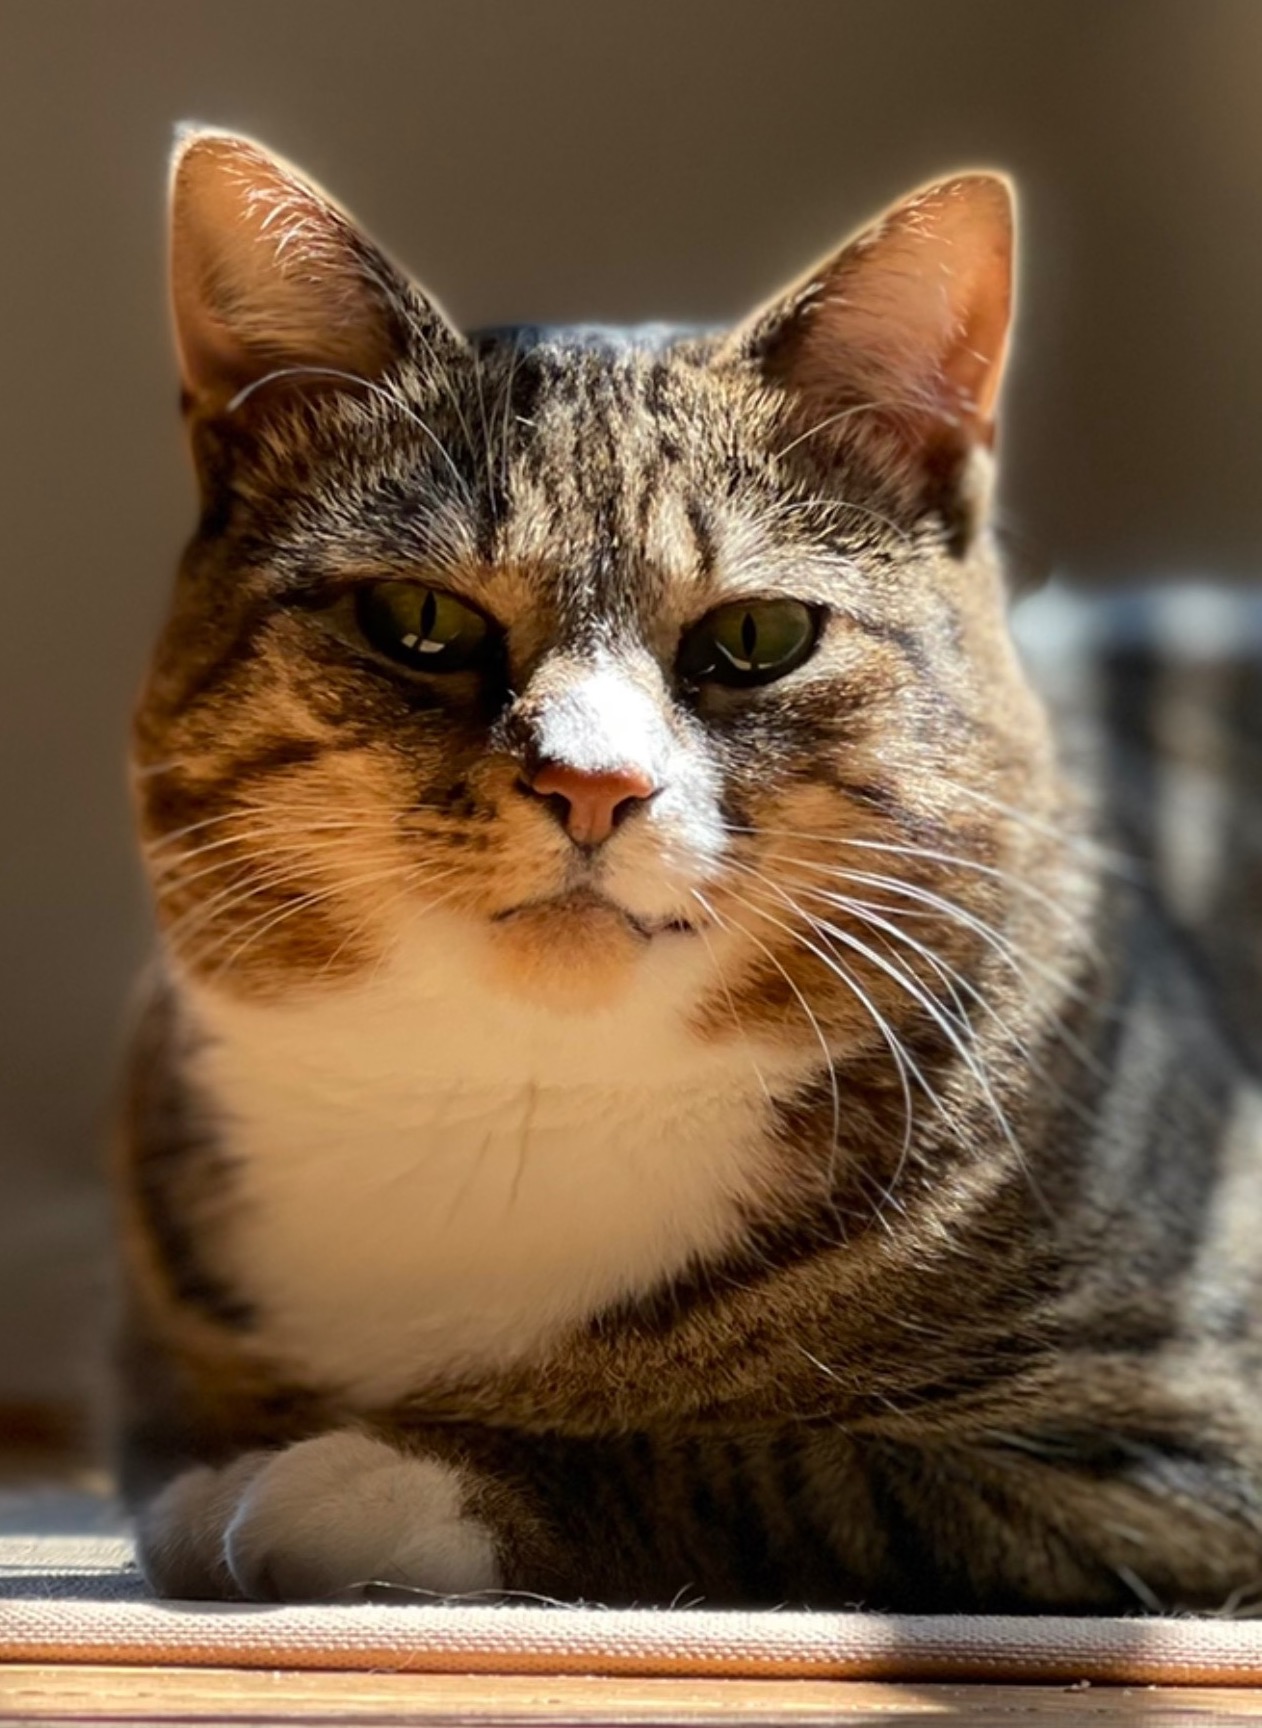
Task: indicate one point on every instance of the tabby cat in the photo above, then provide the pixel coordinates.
(659, 1083)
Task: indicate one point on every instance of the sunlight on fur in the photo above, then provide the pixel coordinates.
(667, 1073)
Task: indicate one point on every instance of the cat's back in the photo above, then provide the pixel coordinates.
(1157, 695)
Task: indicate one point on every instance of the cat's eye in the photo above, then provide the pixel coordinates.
(750, 642)
(424, 628)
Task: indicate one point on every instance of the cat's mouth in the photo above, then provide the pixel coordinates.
(587, 906)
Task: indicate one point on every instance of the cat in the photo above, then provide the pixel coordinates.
(659, 1081)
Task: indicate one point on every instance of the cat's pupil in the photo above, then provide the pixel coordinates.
(749, 635)
(429, 611)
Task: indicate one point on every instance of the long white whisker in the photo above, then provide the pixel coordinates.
(737, 1023)
(1106, 857)
(236, 894)
(940, 1018)
(506, 416)
(364, 821)
(855, 410)
(938, 903)
(171, 873)
(1015, 959)
(905, 1065)
(369, 384)
(809, 1012)
(927, 855)
(265, 922)
(955, 981)
(952, 1033)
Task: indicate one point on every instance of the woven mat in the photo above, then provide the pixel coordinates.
(69, 1592)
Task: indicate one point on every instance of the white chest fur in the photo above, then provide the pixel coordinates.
(433, 1176)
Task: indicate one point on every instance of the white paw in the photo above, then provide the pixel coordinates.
(327, 1516)
(179, 1534)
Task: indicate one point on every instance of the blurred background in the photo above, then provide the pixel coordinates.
(549, 160)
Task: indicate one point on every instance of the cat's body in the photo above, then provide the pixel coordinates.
(675, 1099)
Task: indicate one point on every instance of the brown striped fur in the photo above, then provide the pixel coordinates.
(973, 1338)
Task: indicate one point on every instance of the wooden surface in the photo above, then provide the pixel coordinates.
(174, 1696)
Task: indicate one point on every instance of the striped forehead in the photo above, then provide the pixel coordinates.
(597, 499)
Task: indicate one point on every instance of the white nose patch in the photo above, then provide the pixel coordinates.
(601, 723)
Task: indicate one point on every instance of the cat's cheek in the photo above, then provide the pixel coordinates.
(343, 1511)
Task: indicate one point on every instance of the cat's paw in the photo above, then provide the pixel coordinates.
(319, 1519)
(179, 1534)
(327, 1515)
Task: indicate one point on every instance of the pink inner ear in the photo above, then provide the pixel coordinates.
(266, 272)
(216, 362)
(910, 318)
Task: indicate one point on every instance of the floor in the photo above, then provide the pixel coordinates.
(84, 1694)
(59, 1511)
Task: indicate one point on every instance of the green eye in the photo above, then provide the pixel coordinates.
(423, 628)
(751, 642)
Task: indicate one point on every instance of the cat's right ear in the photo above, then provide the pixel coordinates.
(273, 283)
(896, 345)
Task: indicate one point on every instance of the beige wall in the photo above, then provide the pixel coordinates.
(554, 159)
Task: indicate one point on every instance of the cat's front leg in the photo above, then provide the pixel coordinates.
(326, 1516)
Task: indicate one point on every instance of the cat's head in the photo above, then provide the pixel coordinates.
(616, 647)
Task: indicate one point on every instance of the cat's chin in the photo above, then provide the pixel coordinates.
(569, 954)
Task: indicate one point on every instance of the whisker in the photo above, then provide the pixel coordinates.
(374, 389)
(929, 855)
(954, 980)
(737, 1023)
(856, 409)
(479, 380)
(905, 1064)
(235, 894)
(937, 903)
(277, 842)
(347, 817)
(1106, 857)
(1016, 959)
(952, 1032)
(269, 920)
(809, 1012)
(443, 371)
(840, 506)
(506, 415)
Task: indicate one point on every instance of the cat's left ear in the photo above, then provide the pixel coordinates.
(896, 344)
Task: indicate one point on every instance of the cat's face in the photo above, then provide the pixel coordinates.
(621, 651)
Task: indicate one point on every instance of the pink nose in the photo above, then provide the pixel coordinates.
(594, 804)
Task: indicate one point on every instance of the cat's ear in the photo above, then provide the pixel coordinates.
(898, 340)
(268, 274)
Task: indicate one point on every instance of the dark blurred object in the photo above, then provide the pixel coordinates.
(556, 159)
